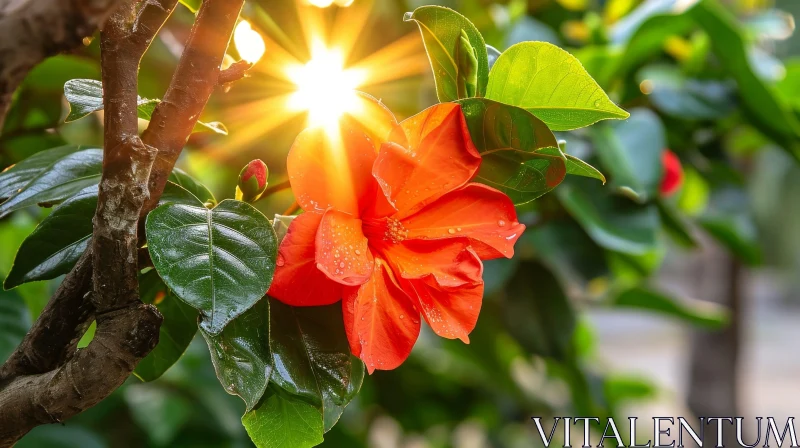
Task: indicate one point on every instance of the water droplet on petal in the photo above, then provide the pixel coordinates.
(451, 231)
(501, 223)
(281, 261)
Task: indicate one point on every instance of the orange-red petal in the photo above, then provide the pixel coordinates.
(380, 320)
(342, 252)
(476, 211)
(428, 155)
(297, 280)
(332, 168)
(451, 312)
(451, 262)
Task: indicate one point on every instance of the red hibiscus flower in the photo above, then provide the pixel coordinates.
(673, 173)
(394, 227)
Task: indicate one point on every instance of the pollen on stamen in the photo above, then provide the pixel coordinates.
(395, 232)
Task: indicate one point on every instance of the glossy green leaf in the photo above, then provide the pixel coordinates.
(200, 191)
(520, 154)
(686, 98)
(16, 177)
(311, 355)
(631, 150)
(578, 167)
(441, 29)
(537, 312)
(86, 96)
(62, 237)
(220, 261)
(332, 409)
(241, 354)
(62, 179)
(57, 243)
(284, 421)
(176, 332)
(613, 222)
(696, 312)
(565, 96)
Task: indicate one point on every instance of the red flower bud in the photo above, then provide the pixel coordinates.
(252, 180)
(673, 173)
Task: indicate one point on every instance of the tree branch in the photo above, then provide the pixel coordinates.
(53, 338)
(192, 83)
(32, 30)
(57, 331)
(127, 329)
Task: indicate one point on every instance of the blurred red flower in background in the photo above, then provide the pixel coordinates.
(394, 227)
(673, 173)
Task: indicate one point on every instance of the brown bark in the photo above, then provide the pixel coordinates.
(46, 380)
(192, 83)
(714, 364)
(126, 329)
(32, 30)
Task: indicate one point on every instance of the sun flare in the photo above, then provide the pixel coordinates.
(249, 43)
(325, 88)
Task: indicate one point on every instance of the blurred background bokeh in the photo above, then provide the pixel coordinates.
(642, 306)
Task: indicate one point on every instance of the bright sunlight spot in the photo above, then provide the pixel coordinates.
(249, 43)
(324, 87)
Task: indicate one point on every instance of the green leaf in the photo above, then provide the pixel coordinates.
(578, 167)
(311, 355)
(441, 30)
(14, 322)
(520, 154)
(61, 436)
(192, 5)
(697, 312)
(631, 152)
(676, 226)
(54, 247)
(763, 106)
(332, 410)
(16, 177)
(564, 96)
(241, 354)
(728, 219)
(220, 261)
(62, 179)
(176, 332)
(284, 421)
(565, 248)
(613, 222)
(57, 243)
(159, 411)
(146, 108)
(686, 98)
(86, 96)
(190, 184)
(538, 313)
